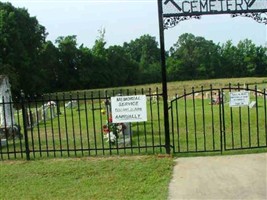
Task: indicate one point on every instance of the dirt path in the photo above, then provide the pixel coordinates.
(220, 177)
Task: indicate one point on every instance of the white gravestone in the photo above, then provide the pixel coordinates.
(6, 109)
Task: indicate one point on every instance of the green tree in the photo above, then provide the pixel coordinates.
(193, 57)
(122, 69)
(146, 53)
(246, 54)
(98, 49)
(261, 61)
(85, 72)
(68, 74)
(49, 67)
(21, 40)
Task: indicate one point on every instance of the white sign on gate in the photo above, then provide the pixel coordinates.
(128, 109)
(238, 99)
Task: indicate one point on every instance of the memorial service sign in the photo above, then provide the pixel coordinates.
(128, 109)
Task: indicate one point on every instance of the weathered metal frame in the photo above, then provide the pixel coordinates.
(171, 20)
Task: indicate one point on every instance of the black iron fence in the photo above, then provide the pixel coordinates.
(207, 120)
(80, 124)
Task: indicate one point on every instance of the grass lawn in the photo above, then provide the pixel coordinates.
(134, 177)
(79, 132)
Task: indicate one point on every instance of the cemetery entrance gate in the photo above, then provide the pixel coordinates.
(210, 120)
(172, 12)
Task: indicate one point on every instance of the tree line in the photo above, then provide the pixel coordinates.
(37, 65)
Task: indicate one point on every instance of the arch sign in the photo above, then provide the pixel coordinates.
(175, 11)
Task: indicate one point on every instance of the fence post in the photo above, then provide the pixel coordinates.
(221, 113)
(24, 115)
(164, 78)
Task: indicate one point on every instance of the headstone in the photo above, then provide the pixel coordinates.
(71, 104)
(127, 130)
(125, 139)
(6, 109)
(252, 104)
(3, 142)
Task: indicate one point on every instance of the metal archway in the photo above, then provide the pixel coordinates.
(171, 12)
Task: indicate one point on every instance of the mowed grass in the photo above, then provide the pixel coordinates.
(177, 87)
(135, 177)
(129, 177)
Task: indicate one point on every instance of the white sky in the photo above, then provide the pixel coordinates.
(126, 20)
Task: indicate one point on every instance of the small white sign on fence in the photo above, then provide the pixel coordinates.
(128, 109)
(238, 99)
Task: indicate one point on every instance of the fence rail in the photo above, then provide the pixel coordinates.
(79, 124)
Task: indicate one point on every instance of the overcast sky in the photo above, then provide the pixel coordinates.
(126, 20)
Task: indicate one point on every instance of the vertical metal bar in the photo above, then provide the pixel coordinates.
(130, 127)
(222, 123)
(58, 122)
(87, 126)
(31, 128)
(212, 116)
(101, 123)
(66, 125)
(138, 130)
(117, 145)
(178, 121)
(151, 118)
(203, 117)
(194, 118)
(186, 120)
(123, 136)
(24, 114)
(94, 126)
(172, 126)
(231, 120)
(108, 114)
(249, 128)
(38, 127)
(159, 124)
(257, 115)
(52, 113)
(240, 126)
(44, 118)
(240, 121)
(12, 125)
(18, 121)
(73, 124)
(5, 127)
(144, 123)
(164, 78)
(80, 122)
